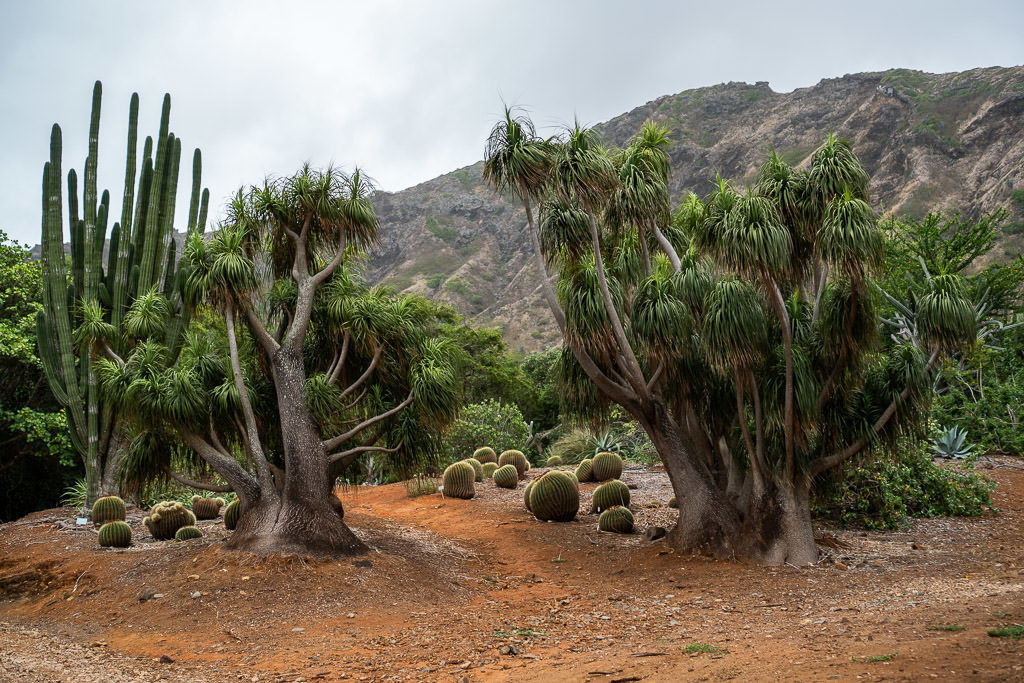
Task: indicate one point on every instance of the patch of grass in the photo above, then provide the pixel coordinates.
(399, 282)
(436, 261)
(1002, 615)
(875, 658)
(518, 633)
(703, 648)
(490, 579)
(1015, 631)
(442, 232)
(946, 627)
(421, 486)
(457, 286)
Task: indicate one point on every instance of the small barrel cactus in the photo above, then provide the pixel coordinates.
(554, 461)
(116, 534)
(108, 509)
(673, 503)
(506, 476)
(485, 455)
(478, 468)
(232, 513)
(515, 458)
(575, 480)
(606, 466)
(489, 468)
(458, 480)
(555, 497)
(166, 518)
(617, 519)
(206, 508)
(610, 494)
(526, 496)
(583, 472)
(187, 533)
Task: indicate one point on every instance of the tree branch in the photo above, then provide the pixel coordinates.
(378, 352)
(331, 444)
(346, 458)
(192, 483)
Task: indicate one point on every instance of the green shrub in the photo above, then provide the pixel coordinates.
(500, 425)
(882, 493)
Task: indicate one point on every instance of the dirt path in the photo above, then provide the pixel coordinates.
(479, 590)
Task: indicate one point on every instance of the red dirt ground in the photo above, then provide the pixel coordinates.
(480, 591)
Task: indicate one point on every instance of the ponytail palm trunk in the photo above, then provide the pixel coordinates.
(699, 326)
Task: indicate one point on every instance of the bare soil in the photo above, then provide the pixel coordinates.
(478, 590)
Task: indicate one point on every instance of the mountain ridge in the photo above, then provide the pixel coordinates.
(928, 141)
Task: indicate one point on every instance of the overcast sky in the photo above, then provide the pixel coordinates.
(409, 90)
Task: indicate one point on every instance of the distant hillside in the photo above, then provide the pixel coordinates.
(928, 141)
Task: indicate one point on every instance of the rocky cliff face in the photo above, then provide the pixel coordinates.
(928, 141)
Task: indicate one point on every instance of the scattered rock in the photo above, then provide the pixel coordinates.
(362, 563)
(195, 595)
(146, 595)
(166, 659)
(653, 533)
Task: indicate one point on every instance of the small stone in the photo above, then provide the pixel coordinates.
(362, 563)
(166, 659)
(917, 546)
(840, 565)
(195, 595)
(653, 533)
(351, 615)
(297, 629)
(193, 577)
(146, 595)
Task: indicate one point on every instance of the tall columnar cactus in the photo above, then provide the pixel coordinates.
(555, 497)
(506, 476)
(609, 494)
(618, 519)
(232, 513)
(116, 534)
(108, 509)
(84, 310)
(583, 470)
(515, 458)
(458, 480)
(206, 508)
(485, 455)
(489, 468)
(606, 466)
(165, 519)
(478, 468)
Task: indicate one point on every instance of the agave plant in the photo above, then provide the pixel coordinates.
(606, 441)
(952, 443)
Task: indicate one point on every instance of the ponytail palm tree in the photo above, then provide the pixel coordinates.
(291, 370)
(741, 332)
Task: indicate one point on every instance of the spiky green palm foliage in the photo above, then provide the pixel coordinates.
(104, 308)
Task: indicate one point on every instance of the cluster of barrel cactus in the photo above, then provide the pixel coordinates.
(116, 534)
(478, 468)
(187, 533)
(554, 461)
(618, 519)
(108, 509)
(458, 480)
(206, 508)
(506, 476)
(583, 470)
(554, 497)
(489, 468)
(610, 494)
(513, 457)
(605, 466)
(232, 513)
(166, 518)
(485, 455)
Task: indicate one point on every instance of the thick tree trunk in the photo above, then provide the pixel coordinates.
(110, 486)
(777, 528)
(707, 524)
(302, 519)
